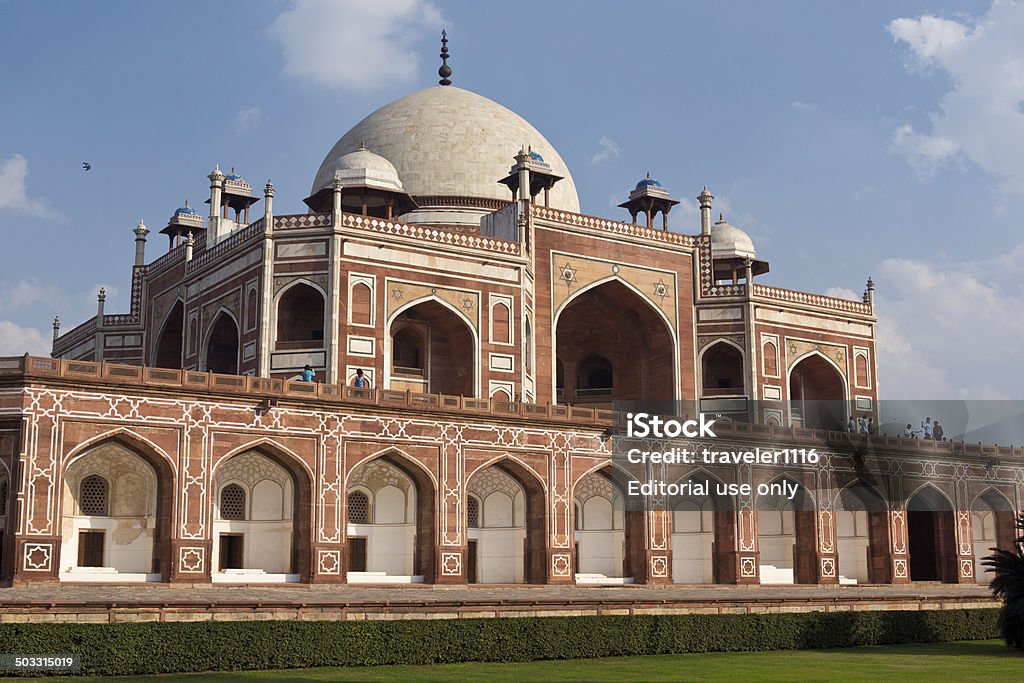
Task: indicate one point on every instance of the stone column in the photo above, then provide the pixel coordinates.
(900, 551)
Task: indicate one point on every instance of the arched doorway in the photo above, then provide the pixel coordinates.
(722, 371)
(817, 394)
(786, 536)
(862, 535)
(613, 325)
(433, 350)
(300, 318)
(506, 536)
(931, 536)
(116, 515)
(169, 348)
(703, 530)
(257, 536)
(222, 346)
(992, 526)
(609, 538)
(390, 508)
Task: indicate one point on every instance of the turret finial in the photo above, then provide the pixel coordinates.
(445, 71)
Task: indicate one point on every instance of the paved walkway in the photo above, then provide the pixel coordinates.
(410, 596)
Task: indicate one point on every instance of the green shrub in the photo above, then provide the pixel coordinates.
(172, 647)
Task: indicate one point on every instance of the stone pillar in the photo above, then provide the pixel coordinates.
(964, 547)
(900, 550)
(216, 188)
(658, 554)
(56, 328)
(190, 244)
(705, 199)
(334, 325)
(140, 243)
(265, 324)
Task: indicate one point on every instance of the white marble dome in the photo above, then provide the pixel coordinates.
(445, 141)
(729, 241)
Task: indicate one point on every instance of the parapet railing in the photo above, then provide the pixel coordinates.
(619, 228)
(818, 300)
(260, 388)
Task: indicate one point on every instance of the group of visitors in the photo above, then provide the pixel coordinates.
(862, 425)
(360, 381)
(929, 430)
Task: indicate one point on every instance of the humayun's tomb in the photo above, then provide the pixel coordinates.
(444, 254)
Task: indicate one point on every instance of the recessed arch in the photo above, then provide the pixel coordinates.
(222, 346)
(296, 520)
(442, 362)
(516, 554)
(609, 544)
(992, 526)
(145, 555)
(169, 350)
(931, 535)
(861, 515)
(300, 314)
(423, 516)
(818, 392)
(648, 361)
(722, 368)
(703, 532)
(787, 534)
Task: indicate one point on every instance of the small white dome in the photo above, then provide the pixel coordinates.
(363, 167)
(728, 241)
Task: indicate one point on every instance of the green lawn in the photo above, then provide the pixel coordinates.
(986, 660)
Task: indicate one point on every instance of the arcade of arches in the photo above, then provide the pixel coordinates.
(116, 498)
(612, 345)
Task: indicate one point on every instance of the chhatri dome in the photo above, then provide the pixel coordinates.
(450, 148)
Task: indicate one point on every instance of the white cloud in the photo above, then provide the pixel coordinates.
(843, 293)
(925, 153)
(26, 293)
(950, 329)
(609, 149)
(804, 106)
(929, 37)
(90, 297)
(16, 340)
(352, 43)
(248, 119)
(980, 117)
(13, 192)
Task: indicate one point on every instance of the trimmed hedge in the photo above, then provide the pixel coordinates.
(172, 647)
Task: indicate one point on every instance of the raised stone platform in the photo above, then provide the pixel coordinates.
(108, 604)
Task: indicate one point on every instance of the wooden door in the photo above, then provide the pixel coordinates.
(357, 554)
(90, 548)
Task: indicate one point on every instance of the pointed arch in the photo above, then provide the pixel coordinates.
(471, 327)
(703, 540)
(303, 480)
(663, 352)
(819, 410)
(594, 545)
(535, 506)
(306, 326)
(169, 346)
(220, 339)
(931, 535)
(164, 472)
(863, 542)
(711, 379)
(425, 485)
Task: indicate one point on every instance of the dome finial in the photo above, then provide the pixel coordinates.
(445, 71)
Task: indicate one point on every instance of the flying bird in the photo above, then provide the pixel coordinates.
(86, 165)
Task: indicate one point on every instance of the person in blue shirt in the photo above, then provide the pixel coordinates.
(308, 374)
(361, 381)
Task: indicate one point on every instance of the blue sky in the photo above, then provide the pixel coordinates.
(849, 139)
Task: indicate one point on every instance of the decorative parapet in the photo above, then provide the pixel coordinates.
(34, 369)
(603, 224)
(226, 245)
(302, 220)
(817, 300)
(171, 257)
(429, 234)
